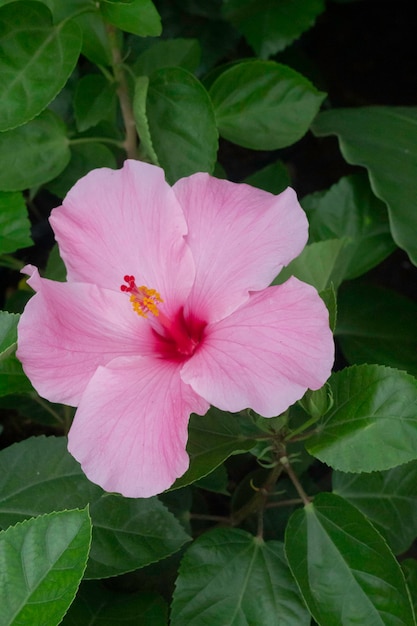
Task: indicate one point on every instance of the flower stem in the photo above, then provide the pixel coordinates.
(294, 479)
(293, 434)
(131, 138)
(289, 502)
(257, 503)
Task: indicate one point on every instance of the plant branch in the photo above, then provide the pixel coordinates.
(257, 503)
(289, 502)
(294, 479)
(131, 138)
(292, 436)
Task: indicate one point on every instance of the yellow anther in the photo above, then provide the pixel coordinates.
(145, 300)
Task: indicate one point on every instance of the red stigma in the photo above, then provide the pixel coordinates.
(131, 285)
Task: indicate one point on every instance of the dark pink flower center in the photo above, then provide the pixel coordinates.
(176, 338)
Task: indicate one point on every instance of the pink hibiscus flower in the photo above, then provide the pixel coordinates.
(167, 310)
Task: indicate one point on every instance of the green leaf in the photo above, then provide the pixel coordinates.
(131, 533)
(55, 267)
(64, 10)
(97, 605)
(43, 560)
(178, 503)
(96, 46)
(230, 577)
(181, 120)
(330, 300)
(218, 41)
(269, 27)
(139, 17)
(12, 377)
(34, 153)
(210, 442)
(141, 119)
(86, 14)
(14, 223)
(168, 53)
(377, 325)
(84, 158)
(8, 333)
(94, 101)
(17, 300)
(39, 475)
(264, 105)
(217, 481)
(345, 570)
(373, 423)
(384, 140)
(318, 402)
(317, 265)
(35, 409)
(409, 567)
(351, 211)
(273, 178)
(388, 499)
(36, 60)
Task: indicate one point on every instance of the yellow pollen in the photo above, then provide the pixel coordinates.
(145, 301)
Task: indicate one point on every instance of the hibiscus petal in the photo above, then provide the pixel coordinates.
(130, 430)
(114, 223)
(69, 329)
(240, 238)
(267, 353)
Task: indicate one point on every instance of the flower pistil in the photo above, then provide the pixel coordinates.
(175, 337)
(143, 299)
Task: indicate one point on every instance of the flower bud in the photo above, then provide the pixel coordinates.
(317, 403)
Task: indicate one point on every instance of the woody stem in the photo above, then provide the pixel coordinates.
(131, 138)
